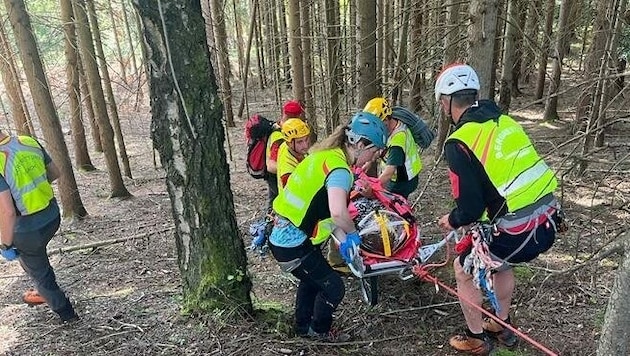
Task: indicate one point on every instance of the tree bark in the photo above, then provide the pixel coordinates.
(530, 40)
(295, 49)
(307, 62)
(481, 43)
(509, 51)
(45, 108)
(109, 93)
(369, 80)
(223, 59)
(86, 99)
(450, 56)
(417, 84)
(115, 29)
(398, 80)
(551, 106)
(252, 33)
(614, 335)
(93, 78)
(545, 48)
(11, 81)
(81, 154)
(188, 133)
(334, 59)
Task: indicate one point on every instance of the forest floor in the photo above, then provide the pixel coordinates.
(128, 294)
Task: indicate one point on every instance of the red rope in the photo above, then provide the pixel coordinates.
(422, 273)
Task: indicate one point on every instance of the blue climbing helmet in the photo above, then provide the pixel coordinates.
(368, 126)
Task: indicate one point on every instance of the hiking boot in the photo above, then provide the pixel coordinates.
(498, 332)
(32, 298)
(471, 344)
(67, 314)
(331, 336)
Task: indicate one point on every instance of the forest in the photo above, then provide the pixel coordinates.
(142, 106)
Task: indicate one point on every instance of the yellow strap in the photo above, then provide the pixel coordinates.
(381, 220)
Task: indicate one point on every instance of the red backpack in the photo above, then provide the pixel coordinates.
(257, 131)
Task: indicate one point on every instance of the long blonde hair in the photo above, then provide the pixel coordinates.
(337, 139)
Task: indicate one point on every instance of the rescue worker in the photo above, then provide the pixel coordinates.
(297, 141)
(497, 177)
(402, 165)
(290, 109)
(319, 190)
(29, 218)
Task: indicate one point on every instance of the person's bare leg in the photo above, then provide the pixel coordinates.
(466, 289)
(503, 289)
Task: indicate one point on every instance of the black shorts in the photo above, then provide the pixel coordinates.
(504, 245)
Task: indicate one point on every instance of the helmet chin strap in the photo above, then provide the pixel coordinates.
(450, 110)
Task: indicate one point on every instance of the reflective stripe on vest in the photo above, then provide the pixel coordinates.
(23, 168)
(509, 159)
(403, 138)
(308, 178)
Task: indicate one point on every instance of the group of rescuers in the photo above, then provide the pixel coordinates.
(496, 176)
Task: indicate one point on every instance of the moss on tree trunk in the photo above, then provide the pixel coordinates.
(188, 133)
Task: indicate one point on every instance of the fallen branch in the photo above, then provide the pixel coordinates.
(105, 243)
(406, 310)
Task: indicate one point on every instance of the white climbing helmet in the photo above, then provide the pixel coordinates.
(455, 78)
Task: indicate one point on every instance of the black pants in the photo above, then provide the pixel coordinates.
(320, 290)
(272, 189)
(34, 261)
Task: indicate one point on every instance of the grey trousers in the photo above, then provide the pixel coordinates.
(34, 260)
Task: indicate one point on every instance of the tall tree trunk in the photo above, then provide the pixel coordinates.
(88, 58)
(223, 59)
(369, 79)
(417, 84)
(551, 106)
(612, 43)
(592, 63)
(481, 43)
(81, 153)
(401, 61)
(11, 82)
(283, 29)
(86, 100)
(334, 59)
(352, 67)
(380, 35)
(307, 63)
(530, 40)
(614, 335)
(295, 49)
(132, 54)
(545, 48)
(187, 119)
(450, 56)
(109, 92)
(252, 28)
(239, 40)
(509, 51)
(260, 50)
(115, 29)
(45, 108)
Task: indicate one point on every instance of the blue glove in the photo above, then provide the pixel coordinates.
(352, 240)
(10, 254)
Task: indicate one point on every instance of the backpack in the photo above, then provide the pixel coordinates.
(257, 131)
(422, 134)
